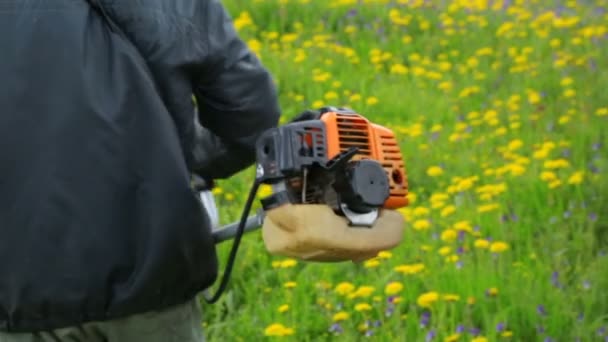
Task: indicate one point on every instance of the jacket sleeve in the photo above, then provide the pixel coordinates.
(236, 97)
(193, 49)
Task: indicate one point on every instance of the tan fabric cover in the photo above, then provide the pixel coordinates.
(316, 233)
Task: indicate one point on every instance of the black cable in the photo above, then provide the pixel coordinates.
(235, 244)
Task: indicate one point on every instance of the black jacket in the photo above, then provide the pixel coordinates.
(97, 147)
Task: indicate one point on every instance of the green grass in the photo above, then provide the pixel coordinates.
(555, 230)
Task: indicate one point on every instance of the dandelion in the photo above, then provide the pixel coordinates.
(393, 288)
(449, 235)
(360, 307)
(277, 329)
(344, 288)
(434, 171)
(340, 316)
(288, 263)
(576, 178)
(481, 243)
(452, 338)
(290, 284)
(425, 300)
(422, 225)
(498, 247)
(371, 101)
(492, 292)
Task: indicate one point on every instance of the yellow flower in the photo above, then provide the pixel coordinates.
(427, 299)
(479, 339)
(601, 111)
(362, 292)
(288, 263)
(463, 226)
(576, 178)
(371, 263)
(422, 224)
(506, 333)
(471, 300)
(515, 144)
(340, 316)
(278, 329)
(421, 211)
(498, 247)
(533, 97)
(393, 288)
(556, 164)
(452, 338)
(569, 93)
(448, 210)
(566, 81)
(283, 308)
(371, 101)
(290, 284)
(385, 255)
(344, 288)
(434, 171)
(409, 269)
(487, 207)
(451, 297)
(449, 235)
(493, 291)
(362, 307)
(548, 176)
(445, 250)
(399, 69)
(481, 243)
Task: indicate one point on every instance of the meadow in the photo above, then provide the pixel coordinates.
(501, 110)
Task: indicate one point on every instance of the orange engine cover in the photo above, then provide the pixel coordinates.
(346, 130)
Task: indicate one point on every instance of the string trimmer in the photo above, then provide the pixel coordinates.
(337, 180)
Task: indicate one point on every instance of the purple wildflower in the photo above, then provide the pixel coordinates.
(601, 331)
(430, 335)
(541, 310)
(596, 146)
(500, 327)
(566, 153)
(540, 329)
(369, 333)
(459, 329)
(555, 279)
(351, 13)
(461, 235)
(580, 317)
(459, 264)
(548, 339)
(425, 319)
(336, 328)
(474, 331)
(377, 323)
(592, 216)
(567, 214)
(389, 311)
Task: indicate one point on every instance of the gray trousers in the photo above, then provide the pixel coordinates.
(177, 324)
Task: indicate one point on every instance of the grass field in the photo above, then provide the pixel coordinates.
(501, 111)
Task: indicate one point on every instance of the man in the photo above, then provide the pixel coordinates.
(103, 238)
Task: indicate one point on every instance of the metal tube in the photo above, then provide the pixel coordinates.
(228, 231)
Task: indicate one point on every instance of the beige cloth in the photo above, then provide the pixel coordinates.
(316, 233)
